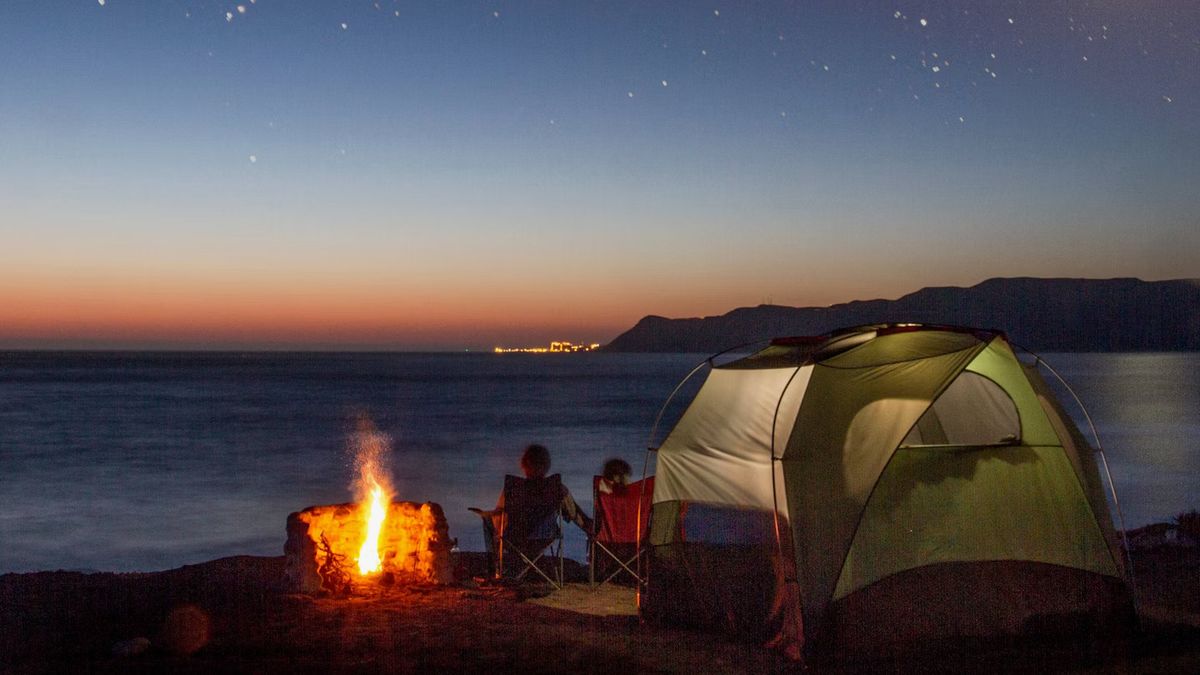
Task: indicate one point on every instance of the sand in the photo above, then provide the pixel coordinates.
(228, 615)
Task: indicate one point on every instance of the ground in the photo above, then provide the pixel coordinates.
(229, 616)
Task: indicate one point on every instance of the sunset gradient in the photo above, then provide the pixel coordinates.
(461, 175)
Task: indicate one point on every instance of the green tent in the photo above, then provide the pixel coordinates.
(878, 486)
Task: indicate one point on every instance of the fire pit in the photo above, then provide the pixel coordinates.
(334, 548)
(325, 547)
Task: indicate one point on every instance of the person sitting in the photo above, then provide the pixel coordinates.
(622, 510)
(535, 464)
(615, 476)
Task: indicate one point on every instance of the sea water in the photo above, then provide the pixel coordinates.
(147, 461)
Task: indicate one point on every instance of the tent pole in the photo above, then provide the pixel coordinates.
(651, 447)
(644, 571)
(774, 461)
(663, 410)
(710, 362)
(1112, 487)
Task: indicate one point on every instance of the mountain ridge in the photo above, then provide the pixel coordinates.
(1043, 314)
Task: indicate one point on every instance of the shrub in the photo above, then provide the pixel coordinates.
(1189, 523)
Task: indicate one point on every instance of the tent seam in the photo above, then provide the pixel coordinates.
(874, 486)
(773, 461)
(892, 363)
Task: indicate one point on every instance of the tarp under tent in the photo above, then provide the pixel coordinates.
(879, 486)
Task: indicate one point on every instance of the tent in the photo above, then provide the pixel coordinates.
(879, 487)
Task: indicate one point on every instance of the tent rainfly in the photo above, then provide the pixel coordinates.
(879, 486)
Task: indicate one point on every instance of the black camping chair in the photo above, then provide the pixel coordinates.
(528, 528)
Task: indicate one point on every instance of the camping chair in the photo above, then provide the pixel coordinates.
(616, 529)
(529, 527)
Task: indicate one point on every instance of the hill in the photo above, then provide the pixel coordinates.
(1064, 315)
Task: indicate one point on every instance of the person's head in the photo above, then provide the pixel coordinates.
(535, 461)
(617, 470)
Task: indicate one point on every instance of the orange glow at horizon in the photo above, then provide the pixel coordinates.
(198, 311)
(151, 307)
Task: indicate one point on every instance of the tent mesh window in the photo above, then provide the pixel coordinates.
(973, 410)
(971, 482)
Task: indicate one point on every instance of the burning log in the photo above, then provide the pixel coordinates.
(335, 578)
(414, 545)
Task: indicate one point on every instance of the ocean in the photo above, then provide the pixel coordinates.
(148, 461)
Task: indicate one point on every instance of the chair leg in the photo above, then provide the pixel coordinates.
(622, 566)
(560, 563)
(555, 560)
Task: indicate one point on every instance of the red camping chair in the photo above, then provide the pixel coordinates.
(615, 532)
(528, 527)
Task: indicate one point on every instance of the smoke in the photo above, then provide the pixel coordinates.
(372, 451)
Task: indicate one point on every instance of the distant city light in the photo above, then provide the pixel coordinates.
(557, 347)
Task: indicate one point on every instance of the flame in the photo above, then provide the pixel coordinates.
(373, 489)
(368, 555)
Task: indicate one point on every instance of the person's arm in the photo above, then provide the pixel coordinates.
(494, 512)
(573, 513)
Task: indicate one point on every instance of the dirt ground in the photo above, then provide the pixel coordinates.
(228, 616)
(225, 616)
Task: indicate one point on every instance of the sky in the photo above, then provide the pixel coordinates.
(350, 174)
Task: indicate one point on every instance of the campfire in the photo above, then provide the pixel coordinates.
(372, 541)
